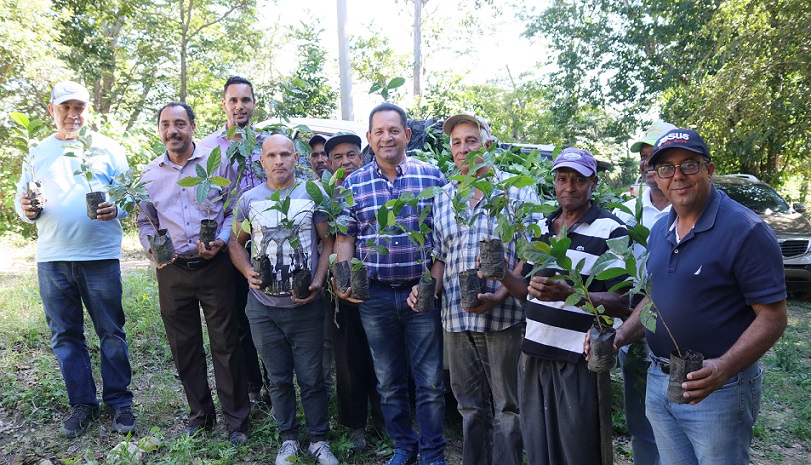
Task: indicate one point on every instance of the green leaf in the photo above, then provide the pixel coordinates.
(214, 160)
(202, 192)
(201, 172)
(220, 181)
(611, 273)
(396, 82)
(429, 193)
(382, 218)
(572, 300)
(189, 181)
(315, 192)
(20, 119)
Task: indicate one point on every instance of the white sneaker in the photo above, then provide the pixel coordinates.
(288, 453)
(321, 451)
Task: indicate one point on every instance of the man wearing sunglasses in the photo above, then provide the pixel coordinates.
(717, 281)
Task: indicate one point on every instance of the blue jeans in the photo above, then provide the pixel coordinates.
(291, 339)
(485, 366)
(716, 431)
(634, 376)
(64, 287)
(401, 338)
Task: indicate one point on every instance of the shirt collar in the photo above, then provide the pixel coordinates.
(589, 217)
(198, 152)
(706, 219)
(401, 167)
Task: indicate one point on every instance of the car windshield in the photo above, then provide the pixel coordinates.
(759, 198)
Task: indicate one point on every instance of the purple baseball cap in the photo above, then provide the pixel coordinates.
(679, 139)
(579, 160)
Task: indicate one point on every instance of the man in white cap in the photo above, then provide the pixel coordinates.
(633, 357)
(482, 343)
(557, 393)
(77, 261)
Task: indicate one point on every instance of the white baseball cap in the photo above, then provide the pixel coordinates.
(69, 90)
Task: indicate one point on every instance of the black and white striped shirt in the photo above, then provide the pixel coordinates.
(556, 331)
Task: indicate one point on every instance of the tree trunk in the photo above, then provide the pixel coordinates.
(417, 48)
(347, 110)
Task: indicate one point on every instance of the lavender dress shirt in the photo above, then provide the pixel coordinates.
(175, 208)
(254, 175)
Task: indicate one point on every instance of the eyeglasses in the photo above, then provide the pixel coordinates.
(687, 168)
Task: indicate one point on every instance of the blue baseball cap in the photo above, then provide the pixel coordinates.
(579, 160)
(686, 139)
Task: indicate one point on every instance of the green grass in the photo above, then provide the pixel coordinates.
(33, 399)
(785, 414)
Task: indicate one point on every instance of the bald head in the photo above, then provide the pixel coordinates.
(279, 160)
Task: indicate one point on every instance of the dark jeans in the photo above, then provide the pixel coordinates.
(292, 340)
(182, 292)
(254, 378)
(63, 287)
(354, 371)
(401, 338)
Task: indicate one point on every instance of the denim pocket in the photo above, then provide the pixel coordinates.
(755, 390)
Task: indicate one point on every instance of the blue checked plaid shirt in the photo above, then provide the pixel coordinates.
(371, 190)
(459, 249)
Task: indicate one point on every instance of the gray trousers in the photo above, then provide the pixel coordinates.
(559, 412)
(484, 365)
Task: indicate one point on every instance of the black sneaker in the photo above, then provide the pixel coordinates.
(238, 438)
(76, 422)
(123, 419)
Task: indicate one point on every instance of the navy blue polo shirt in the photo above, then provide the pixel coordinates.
(705, 285)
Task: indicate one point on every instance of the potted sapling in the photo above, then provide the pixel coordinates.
(84, 143)
(426, 287)
(204, 183)
(504, 212)
(470, 284)
(126, 193)
(509, 217)
(551, 261)
(290, 233)
(333, 200)
(682, 361)
(25, 136)
(359, 272)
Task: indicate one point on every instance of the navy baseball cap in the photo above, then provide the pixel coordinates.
(686, 139)
(317, 139)
(579, 160)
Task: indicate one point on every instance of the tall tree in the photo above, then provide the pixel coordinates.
(306, 92)
(751, 97)
(196, 16)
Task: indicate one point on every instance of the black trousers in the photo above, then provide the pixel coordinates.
(356, 383)
(182, 292)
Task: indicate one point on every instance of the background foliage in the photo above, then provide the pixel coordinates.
(737, 71)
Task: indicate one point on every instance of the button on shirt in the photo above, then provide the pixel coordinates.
(371, 190)
(458, 249)
(175, 208)
(254, 175)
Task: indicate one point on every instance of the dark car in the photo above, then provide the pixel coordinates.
(792, 229)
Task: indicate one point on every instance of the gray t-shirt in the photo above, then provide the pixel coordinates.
(270, 238)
